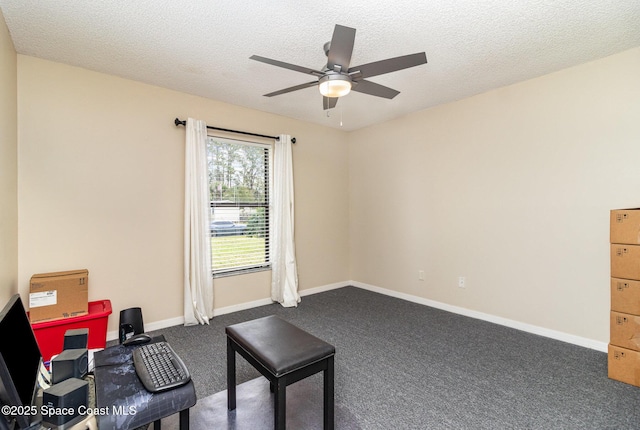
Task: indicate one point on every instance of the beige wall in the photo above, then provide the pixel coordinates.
(8, 167)
(511, 189)
(101, 188)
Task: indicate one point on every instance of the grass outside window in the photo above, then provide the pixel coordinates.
(237, 251)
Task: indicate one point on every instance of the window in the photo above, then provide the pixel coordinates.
(239, 219)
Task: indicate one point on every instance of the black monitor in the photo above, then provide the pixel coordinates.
(20, 360)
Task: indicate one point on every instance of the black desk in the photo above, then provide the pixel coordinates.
(122, 401)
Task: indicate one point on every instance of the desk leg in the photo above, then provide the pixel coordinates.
(280, 407)
(231, 376)
(157, 425)
(184, 419)
(329, 401)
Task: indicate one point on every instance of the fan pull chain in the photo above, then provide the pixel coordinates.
(329, 114)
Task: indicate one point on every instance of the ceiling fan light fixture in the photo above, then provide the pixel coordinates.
(334, 85)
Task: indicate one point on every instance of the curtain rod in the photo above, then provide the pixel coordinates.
(180, 122)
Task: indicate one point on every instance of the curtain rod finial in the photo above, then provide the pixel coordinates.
(178, 122)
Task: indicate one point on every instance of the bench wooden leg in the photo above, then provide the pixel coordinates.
(280, 407)
(231, 376)
(329, 401)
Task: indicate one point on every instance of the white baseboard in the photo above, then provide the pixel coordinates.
(159, 325)
(241, 307)
(263, 302)
(156, 325)
(529, 328)
(323, 288)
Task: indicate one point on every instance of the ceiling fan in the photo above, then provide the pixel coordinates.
(337, 79)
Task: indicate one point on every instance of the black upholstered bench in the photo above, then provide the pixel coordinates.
(284, 354)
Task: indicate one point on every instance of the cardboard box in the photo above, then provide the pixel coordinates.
(625, 261)
(625, 226)
(59, 295)
(625, 296)
(625, 330)
(624, 365)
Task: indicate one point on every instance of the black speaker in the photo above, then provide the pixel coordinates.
(130, 323)
(70, 363)
(61, 402)
(76, 338)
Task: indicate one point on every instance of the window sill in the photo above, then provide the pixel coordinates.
(241, 271)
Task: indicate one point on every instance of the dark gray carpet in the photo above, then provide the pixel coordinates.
(254, 409)
(403, 365)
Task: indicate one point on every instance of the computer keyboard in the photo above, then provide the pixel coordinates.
(159, 367)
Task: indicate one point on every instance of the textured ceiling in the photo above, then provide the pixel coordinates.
(202, 47)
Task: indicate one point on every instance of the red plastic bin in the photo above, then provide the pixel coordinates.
(50, 334)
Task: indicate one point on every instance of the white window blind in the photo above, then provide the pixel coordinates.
(239, 221)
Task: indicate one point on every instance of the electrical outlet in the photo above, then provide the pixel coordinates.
(462, 282)
(421, 275)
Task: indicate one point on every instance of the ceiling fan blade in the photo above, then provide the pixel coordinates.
(341, 47)
(329, 102)
(371, 88)
(290, 89)
(390, 65)
(286, 65)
